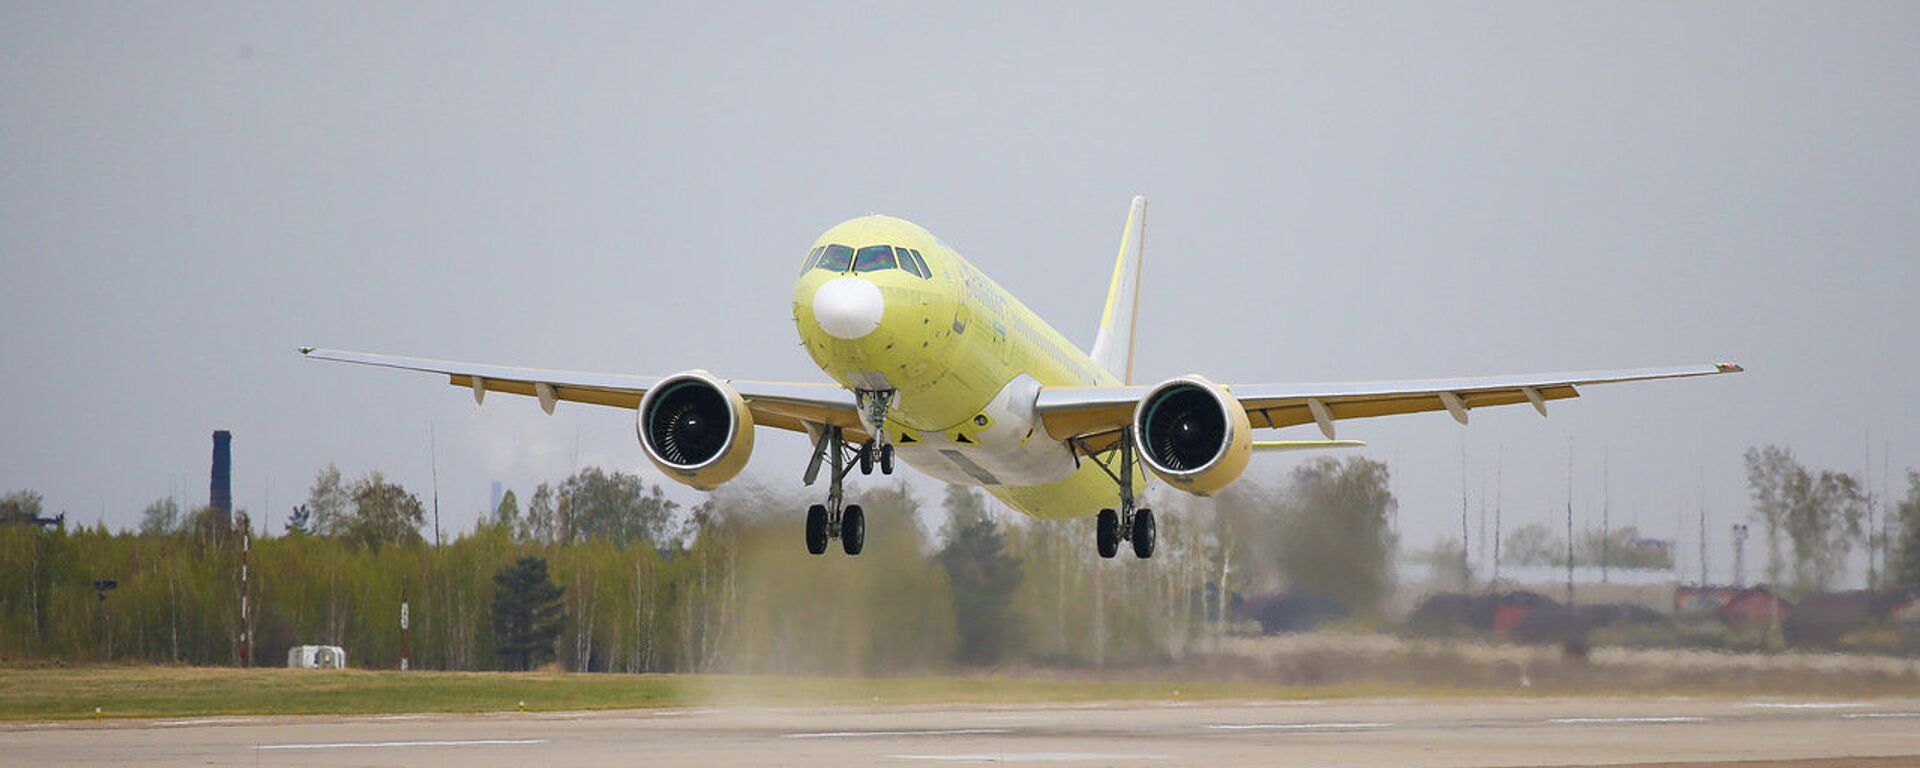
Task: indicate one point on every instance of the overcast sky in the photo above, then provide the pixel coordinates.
(188, 192)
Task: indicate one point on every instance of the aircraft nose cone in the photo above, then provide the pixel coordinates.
(848, 307)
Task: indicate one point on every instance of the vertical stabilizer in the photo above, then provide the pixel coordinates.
(1113, 346)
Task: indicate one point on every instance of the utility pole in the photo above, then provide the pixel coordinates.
(433, 452)
(406, 633)
(246, 622)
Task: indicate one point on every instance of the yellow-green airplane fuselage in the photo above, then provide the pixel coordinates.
(949, 343)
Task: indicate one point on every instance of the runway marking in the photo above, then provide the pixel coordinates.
(208, 721)
(371, 744)
(1297, 726)
(882, 734)
(1028, 757)
(1623, 720)
(1804, 704)
(1860, 715)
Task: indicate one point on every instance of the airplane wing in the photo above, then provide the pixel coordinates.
(1085, 413)
(779, 404)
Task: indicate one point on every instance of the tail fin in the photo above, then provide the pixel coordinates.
(1113, 347)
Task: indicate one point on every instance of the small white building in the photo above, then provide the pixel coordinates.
(316, 657)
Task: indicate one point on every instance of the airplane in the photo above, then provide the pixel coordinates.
(936, 365)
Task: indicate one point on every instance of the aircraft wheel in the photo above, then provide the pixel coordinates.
(817, 529)
(886, 459)
(853, 529)
(1143, 532)
(1106, 532)
(866, 458)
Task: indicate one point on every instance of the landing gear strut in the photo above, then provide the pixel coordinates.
(1129, 523)
(836, 519)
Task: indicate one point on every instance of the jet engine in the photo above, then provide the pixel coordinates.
(696, 429)
(1193, 434)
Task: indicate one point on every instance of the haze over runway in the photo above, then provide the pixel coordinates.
(1341, 192)
(1414, 733)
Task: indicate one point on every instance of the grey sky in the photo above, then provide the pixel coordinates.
(1344, 192)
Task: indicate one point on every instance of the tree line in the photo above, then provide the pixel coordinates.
(601, 572)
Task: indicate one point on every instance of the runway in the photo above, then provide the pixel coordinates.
(1408, 733)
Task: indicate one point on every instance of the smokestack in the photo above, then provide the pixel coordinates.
(220, 492)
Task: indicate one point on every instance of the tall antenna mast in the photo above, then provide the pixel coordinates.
(1466, 568)
(1866, 486)
(1569, 522)
(1498, 487)
(1606, 508)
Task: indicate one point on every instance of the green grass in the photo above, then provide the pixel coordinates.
(135, 691)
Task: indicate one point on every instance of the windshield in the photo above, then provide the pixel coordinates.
(836, 258)
(874, 258)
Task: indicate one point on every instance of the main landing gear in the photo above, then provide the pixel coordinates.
(834, 519)
(1128, 524)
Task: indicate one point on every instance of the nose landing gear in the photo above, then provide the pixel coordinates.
(836, 519)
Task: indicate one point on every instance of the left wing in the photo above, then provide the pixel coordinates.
(779, 404)
(1072, 413)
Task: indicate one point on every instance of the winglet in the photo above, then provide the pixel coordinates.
(1113, 346)
(1729, 367)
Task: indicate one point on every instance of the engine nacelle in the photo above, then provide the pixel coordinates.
(1193, 434)
(696, 429)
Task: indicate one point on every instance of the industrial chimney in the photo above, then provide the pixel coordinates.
(220, 493)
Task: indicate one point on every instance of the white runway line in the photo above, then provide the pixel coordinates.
(1624, 720)
(1868, 715)
(883, 734)
(1028, 757)
(1804, 704)
(208, 721)
(373, 744)
(1297, 726)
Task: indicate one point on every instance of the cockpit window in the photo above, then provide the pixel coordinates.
(835, 258)
(908, 263)
(874, 258)
(924, 270)
(812, 258)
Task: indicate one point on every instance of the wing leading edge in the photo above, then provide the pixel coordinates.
(1079, 412)
(779, 404)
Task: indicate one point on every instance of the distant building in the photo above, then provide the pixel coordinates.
(1701, 602)
(1753, 608)
(316, 657)
(494, 505)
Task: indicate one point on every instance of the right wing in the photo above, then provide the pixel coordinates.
(779, 404)
(1084, 413)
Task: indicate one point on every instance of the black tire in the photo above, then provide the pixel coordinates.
(866, 458)
(853, 529)
(817, 529)
(886, 459)
(1106, 533)
(1143, 532)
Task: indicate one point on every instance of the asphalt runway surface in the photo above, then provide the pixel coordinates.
(1408, 733)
